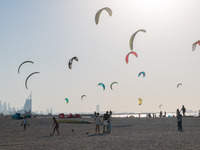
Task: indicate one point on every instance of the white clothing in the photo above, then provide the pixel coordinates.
(97, 120)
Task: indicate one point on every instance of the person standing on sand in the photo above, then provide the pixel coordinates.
(24, 122)
(183, 109)
(97, 123)
(55, 122)
(179, 120)
(106, 117)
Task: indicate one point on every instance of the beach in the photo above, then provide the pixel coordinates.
(126, 134)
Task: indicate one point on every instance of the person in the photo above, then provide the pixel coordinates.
(179, 120)
(160, 113)
(55, 122)
(183, 109)
(109, 126)
(106, 117)
(24, 122)
(110, 113)
(97, 123)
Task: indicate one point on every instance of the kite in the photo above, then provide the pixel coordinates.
(179, 84)
(143, 73)
(133, 36)
(71, 61)
(160, 106)
(109, 11)
(195, 44)
(102, 85)
(67, 100)
(134, 53)
(24, 63)
(83, 96)
(28, 78)
(112, 85)
(140, 101)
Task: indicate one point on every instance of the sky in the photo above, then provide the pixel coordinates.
(50, 33)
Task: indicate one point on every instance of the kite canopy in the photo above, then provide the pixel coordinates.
(133, 36)
(179, 84)
(195, 44)
(112, 85)
(102, 85)
(83, 96)
(71, 61)
(160, 106)
(143, 73)
(67, 100)
(24, 63)
(127, 56)
(97, 16)
(140, 101)
(28, 78)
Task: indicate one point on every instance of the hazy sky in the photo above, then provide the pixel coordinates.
(50, 32)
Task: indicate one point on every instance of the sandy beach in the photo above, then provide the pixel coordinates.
(126, 134)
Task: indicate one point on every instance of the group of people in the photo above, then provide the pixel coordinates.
(179, 117)
(106, 123)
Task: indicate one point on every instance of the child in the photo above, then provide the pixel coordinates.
(24, 122)
(179, 120)
(55, 122)
(97, 123)
(109, 127)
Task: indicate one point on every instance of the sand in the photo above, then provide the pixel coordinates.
(126, 134)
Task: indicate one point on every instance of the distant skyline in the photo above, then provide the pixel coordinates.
(50, 33)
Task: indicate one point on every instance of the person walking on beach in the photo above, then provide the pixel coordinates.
(24, 122)
(179, 120)
(106, 117)
(183, 109)
(55, 122)
(97, 123)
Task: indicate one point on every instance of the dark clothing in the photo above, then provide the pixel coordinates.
(106, 116)
(179, 122)
(179, 125)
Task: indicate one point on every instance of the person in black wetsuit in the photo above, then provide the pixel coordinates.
(183, 109)
(55, 122)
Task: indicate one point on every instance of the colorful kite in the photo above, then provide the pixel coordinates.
(140, 101)
(195, 44)
(127, 56)
(143, 73)
(102, 85)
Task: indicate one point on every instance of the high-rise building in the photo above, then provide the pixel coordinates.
(4, 108)
(1, 108)
(28, 104)
(97, 108)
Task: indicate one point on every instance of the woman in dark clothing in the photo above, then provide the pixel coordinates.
(179, 120)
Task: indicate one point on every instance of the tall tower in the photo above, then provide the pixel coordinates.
(28, 104)
(98, 109)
